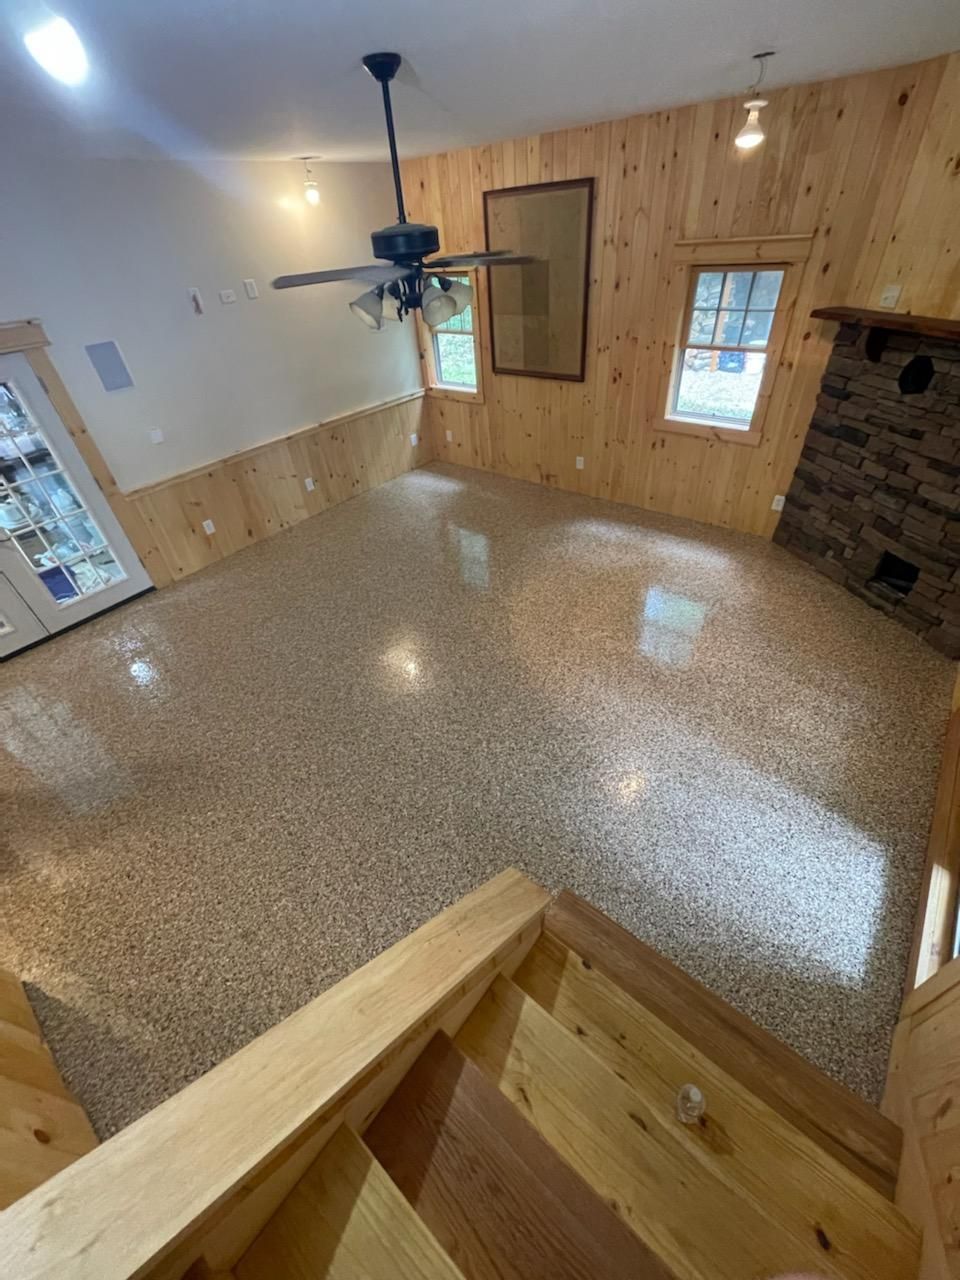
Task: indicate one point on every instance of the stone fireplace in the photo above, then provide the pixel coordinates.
(875, 501)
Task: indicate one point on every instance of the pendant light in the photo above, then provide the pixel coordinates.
(311, 192)
(751, 135)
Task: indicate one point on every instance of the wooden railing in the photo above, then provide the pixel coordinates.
(195, 1179)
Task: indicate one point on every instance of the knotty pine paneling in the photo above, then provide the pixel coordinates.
(255, 494)
(869, 165)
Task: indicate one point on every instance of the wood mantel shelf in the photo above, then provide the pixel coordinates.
(930, 326)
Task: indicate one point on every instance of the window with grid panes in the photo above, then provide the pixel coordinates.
(726, 331)
(454, 351)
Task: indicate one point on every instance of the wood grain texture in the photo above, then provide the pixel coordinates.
(253, 495)
(122, 1209)
(495, 1195)
(744, 1142)
(697, 1221)
(42, 1126)
(841, 1123)
(929, 326)
(864, 164)
(923, 1094)
(345, 1219)
(940, 887)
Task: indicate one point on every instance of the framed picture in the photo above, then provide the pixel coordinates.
(538, 312)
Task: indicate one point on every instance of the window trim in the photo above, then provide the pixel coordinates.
(433, 387)
(691, 257)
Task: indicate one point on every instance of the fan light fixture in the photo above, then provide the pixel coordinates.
(369, 308)
(58, 49)
(311, 192)
(406, 273)
(751, 135)
(438, 305)
(461, 293)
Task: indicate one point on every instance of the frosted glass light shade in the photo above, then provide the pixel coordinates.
(311, 193)
(369, 308)
(437, 306)
(462, 294)
(751, 135)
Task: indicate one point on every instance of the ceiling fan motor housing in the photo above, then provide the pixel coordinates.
(405, 242)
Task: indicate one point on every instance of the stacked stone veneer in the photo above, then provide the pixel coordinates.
(880, 471)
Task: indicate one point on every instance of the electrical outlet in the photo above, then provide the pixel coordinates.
(579, 463)
(449, 437)
(309, 484)
(414, 438)
(209, 526)
(195, 301)
(777, 503)
(250, 289)
(891, 295)
(227, 296)
(156, 436)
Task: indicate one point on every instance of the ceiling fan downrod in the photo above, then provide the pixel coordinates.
(383, 67)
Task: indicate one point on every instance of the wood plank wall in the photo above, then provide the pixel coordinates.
(868, 164)
(252, 495)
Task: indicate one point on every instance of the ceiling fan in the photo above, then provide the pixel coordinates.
(405, 285)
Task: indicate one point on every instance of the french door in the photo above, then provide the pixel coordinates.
(63, 554)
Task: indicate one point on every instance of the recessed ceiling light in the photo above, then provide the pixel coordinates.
(58, 49)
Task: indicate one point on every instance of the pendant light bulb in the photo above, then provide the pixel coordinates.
(311, 192)
(751, 135)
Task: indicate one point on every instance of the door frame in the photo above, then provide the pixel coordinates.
(28, 338)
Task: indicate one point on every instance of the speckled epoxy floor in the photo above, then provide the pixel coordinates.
(223, 797)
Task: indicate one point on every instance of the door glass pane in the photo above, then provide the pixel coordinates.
(34, 501)
(85, 532)
(61, 493)
(59, 539)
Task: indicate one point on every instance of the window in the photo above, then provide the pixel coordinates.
(725, 338)
(453, 356)
(452, 353)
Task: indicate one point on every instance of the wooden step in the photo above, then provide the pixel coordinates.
(844, 1125)
(345, 1219)
(702, 1225)
(493, 1193)
(746, 1143)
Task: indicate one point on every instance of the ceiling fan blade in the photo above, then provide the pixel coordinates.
(373, 274)
(500, 258)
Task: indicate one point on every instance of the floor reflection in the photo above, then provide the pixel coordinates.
(669, 627)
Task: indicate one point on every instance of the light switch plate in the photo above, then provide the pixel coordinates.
(778, 503)
(449, 437)
(579, 463)
(413, 438)
(309, 484)
(250, 289)
(228, 295)
(156, 436)
(891, 295)
(209, 526)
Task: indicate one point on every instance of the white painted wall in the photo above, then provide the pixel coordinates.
(107, 249)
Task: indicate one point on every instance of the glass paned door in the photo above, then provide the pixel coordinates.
(61, 547)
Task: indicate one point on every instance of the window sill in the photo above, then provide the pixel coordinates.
(462, 394)
(705, 429)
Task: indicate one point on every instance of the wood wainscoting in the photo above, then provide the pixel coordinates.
(252, 495)
(865, 165)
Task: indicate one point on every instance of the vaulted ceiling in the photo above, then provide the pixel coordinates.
(276, 79)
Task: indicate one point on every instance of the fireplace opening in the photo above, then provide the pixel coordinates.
(916, 376)
(876, 343)
(897, 575)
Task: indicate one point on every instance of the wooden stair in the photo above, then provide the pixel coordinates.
(495, 1098)
(497, 1197)
(42, 1126)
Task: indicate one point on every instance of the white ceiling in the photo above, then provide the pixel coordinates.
(276, 79)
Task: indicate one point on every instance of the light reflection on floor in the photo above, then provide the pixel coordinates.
(225, 796)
